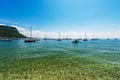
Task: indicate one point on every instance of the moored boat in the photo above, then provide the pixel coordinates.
(75, 41)
(85, 39)
(30, 39)
(59, 39)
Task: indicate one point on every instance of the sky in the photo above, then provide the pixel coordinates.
(65, 16)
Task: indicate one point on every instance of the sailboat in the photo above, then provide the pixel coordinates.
(45, 37)
(59, 39)
(108, 39)
(30, 39)
(37, 39)
(67, 38)
(85, 39)
(93, 38)
(116, 39)
(79, 37)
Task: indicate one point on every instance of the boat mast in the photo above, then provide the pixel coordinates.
(30, 32)
(85, 35)
(45, 36)
(59, 35)
(93, 36)
(37, 35)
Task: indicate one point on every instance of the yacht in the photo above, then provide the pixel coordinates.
(85, 39)
(59, 39)
(75, 41)
(30, 39)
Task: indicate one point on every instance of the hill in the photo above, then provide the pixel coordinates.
(11, 32)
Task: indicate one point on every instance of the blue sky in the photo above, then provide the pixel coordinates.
(62, 15)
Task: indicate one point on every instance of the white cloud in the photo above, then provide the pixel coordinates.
(21, 30)
(41, 34)
(2, 24)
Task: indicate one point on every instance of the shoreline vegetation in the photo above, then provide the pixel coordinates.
(10, 32)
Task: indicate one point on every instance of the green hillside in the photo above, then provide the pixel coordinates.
(11, 32)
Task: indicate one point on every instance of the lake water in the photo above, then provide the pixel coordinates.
(103, 50)
(100, 51)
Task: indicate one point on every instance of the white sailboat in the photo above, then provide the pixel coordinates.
(59, 39)
(45, 37)
(85, 39)
(93, 38)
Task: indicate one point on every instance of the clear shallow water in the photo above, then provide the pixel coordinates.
(107, 51)
(54, 60)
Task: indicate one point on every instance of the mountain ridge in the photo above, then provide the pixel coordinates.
(10, 32)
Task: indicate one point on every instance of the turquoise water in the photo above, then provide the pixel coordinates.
(60, 60)
(107, 51)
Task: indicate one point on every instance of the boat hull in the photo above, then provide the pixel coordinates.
(29, 40)
(75, 41)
